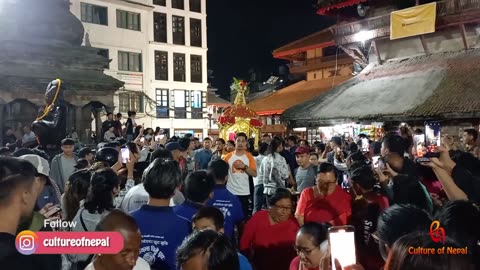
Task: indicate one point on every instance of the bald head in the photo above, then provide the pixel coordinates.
(117, 220)
(395, 161)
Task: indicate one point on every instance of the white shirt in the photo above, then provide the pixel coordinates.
(134, 199)
(257, 180)
(238, 183)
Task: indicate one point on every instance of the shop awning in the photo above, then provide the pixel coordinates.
(435, 87)
(297, 93)
(319, 39)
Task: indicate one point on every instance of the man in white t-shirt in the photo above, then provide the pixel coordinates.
(242, 165)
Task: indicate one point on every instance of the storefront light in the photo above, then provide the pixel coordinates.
(363, 36)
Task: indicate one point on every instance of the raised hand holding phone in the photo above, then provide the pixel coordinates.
(342, 245)
(338, 266)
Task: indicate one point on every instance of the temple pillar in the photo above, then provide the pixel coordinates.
(83, 119)
(2, 125)
(98, 123)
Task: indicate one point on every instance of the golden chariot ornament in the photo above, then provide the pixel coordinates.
(238, 117)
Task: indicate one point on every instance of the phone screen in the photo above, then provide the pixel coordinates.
(342, 245)
(53, 210)
(423, 159)
(375, 161)
(125, 154)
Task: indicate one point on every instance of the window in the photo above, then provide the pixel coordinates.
(196, 5)
(196, 68)
(180, 101)
(178, 27)
(161, 66)
(94, 14)
(198, 102)
(160, 2)
(131, 102)
(178, 4)
(196, 32)
(163, 110)
(179, 67)
(160, 27)
(128, 20)
(128, 61)
(104, 53)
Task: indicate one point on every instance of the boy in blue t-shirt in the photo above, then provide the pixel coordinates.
(162, 230)
(224, 200)
(198, 190)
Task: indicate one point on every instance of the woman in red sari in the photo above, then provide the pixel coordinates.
(325, 202)
(269, 236)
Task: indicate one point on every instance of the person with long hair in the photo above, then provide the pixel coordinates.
(274, 168)
(104, 185)
(76, 190)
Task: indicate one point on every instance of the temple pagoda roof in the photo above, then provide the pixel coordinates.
(326, 6)
(293, 50)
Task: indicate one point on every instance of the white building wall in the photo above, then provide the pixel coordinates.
(117, 39)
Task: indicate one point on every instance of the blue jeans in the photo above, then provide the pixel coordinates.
(259, 202)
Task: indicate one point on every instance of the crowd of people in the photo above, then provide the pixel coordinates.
(182, 203)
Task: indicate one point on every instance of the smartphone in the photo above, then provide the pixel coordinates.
(345, 183)
(423, 160)
(125, 154)
(342, 245)
(432, 155)
(375, 161)
(52, 211)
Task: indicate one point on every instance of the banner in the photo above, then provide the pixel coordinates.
(413, 21)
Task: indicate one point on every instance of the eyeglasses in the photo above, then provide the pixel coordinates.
(284, 208)
(304, 251)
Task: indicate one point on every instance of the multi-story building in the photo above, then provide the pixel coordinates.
(419, 69)
(323, 66)
(159, 49)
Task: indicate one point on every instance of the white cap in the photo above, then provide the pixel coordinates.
(38, 162)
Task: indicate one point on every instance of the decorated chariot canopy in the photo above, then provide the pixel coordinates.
(238, 117)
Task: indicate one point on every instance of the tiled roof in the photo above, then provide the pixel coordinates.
(297, 93)
(435, 87)
(319, 39)
(212, 99)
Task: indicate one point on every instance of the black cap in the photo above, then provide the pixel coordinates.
(81, 164)
(85, 151)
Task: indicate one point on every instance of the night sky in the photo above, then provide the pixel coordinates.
(242, 34)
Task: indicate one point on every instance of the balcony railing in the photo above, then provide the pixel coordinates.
(319, 63)
(380, 26)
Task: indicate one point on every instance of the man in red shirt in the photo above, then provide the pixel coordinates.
(326, 201)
